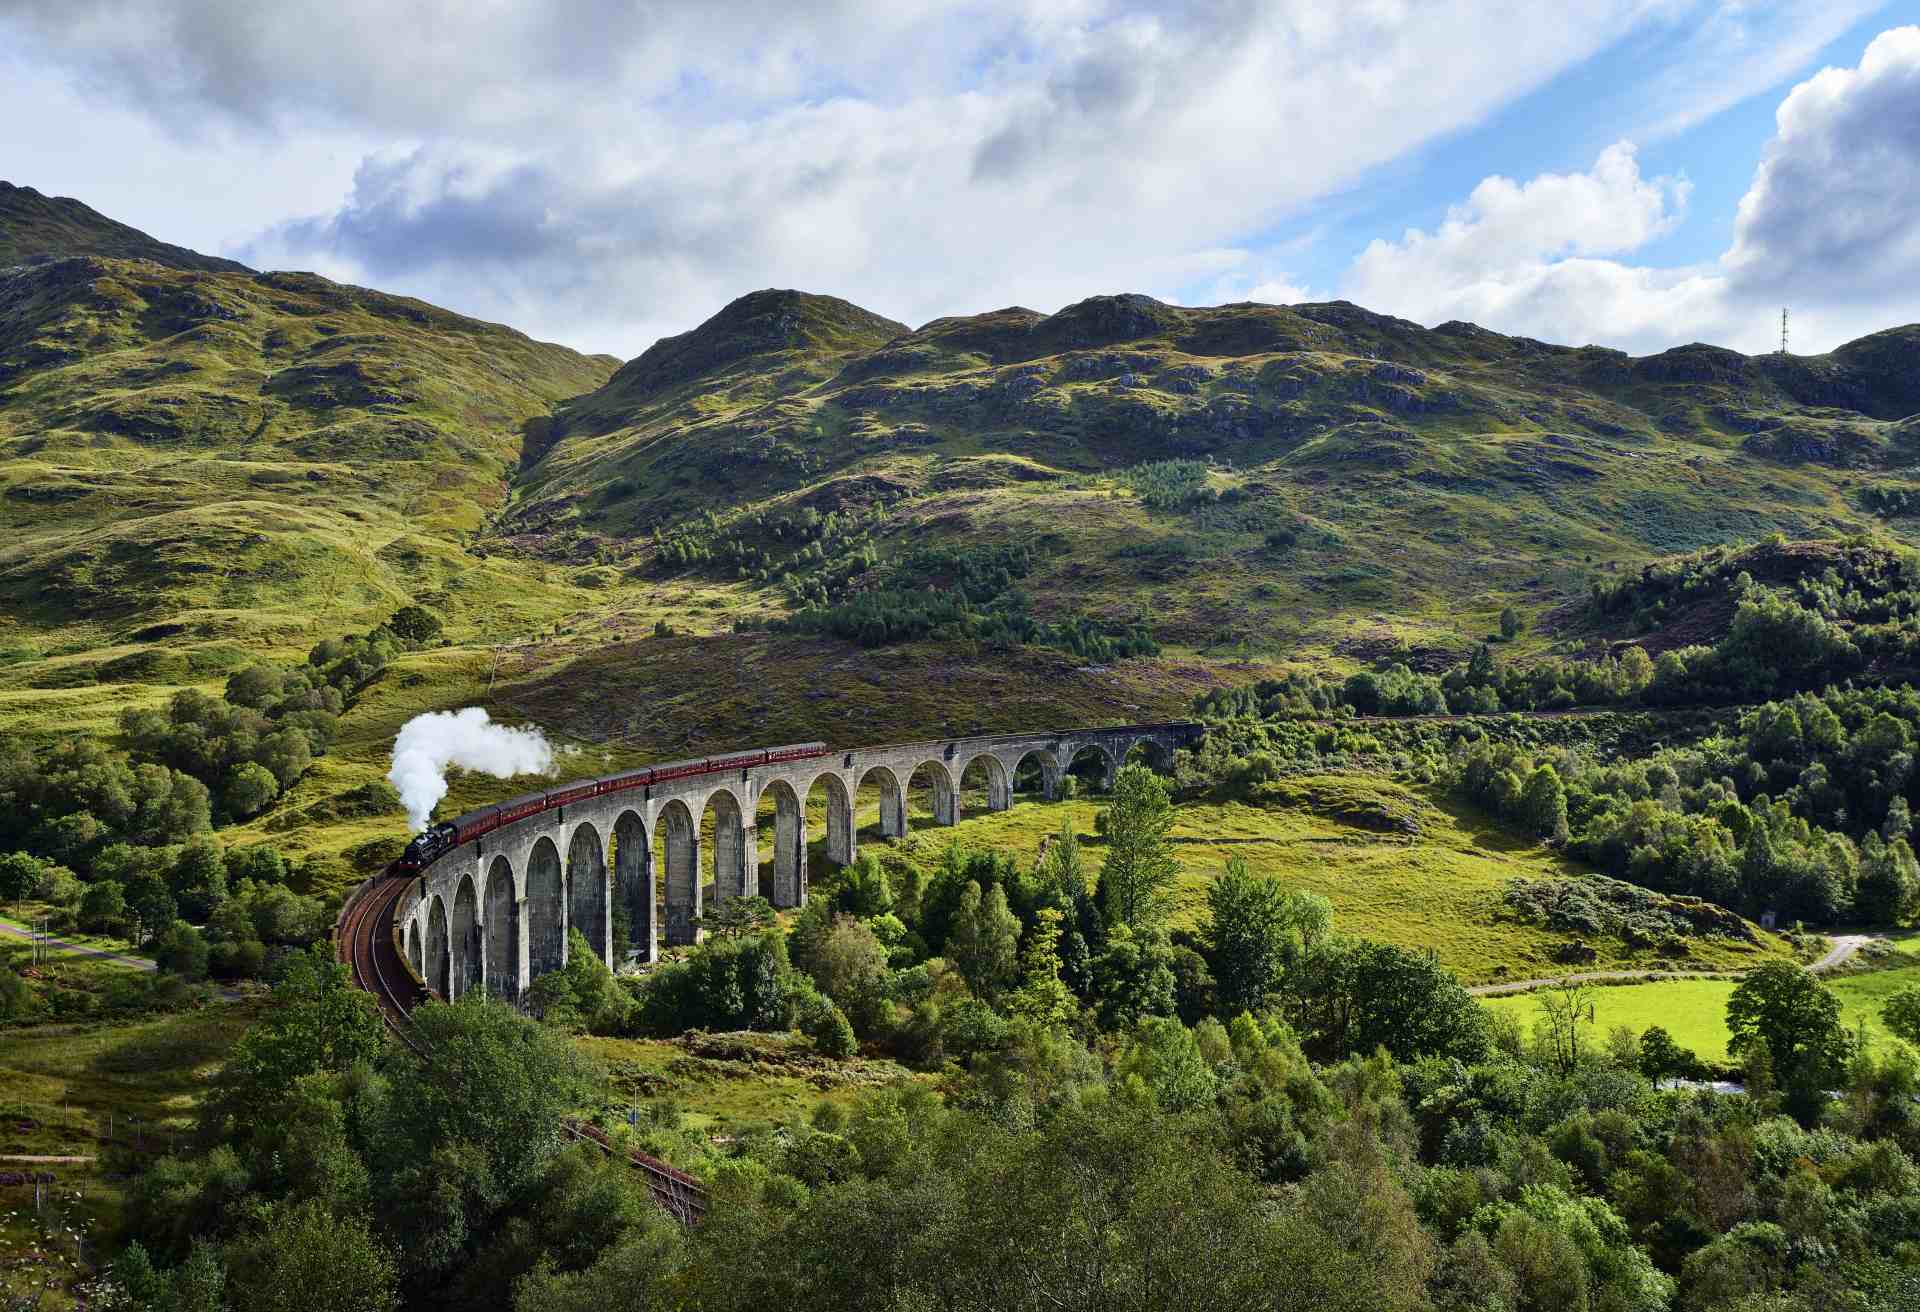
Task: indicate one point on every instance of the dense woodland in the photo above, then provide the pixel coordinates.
(1801, 805)
(969, 593)
(1263, 1114)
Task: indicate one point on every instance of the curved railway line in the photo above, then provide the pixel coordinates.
(363, 939)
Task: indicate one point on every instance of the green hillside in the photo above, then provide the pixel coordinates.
(201, 465)
(191, 456)
(1349, 466)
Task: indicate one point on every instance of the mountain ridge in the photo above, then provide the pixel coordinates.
(1184, 352)
(1334, 425)
(1017, 334)
(35, 226)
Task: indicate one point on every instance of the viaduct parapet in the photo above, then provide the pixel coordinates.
(494, 913)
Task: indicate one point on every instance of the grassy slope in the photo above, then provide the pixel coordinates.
(1438, 890)
(720, 1096)
(198, 463)
(59, 1086)
(66, 1076)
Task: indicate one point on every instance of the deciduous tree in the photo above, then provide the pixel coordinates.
(1246, 933)
(1788, 1012)
(985, 941)
(1140, 869)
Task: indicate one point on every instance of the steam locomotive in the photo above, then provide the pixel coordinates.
(434, 842)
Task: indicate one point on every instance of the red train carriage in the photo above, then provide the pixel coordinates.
(576, 792)
(678, 770)
(475, 823)
(736, 761)
(619, 783)
(519, 808)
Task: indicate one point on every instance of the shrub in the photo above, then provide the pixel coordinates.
(182, 950)
(415, 624)
(250, 788)
(829, 1028)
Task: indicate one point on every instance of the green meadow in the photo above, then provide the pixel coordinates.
(1694, 1011)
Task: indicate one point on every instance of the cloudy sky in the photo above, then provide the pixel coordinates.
(602, 172)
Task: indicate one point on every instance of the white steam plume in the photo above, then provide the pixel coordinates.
(429, 743)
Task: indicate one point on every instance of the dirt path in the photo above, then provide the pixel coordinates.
(32, 1160)
(1843, 949)
(12, 930)
(1586, 976)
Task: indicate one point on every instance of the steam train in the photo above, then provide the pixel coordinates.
(434, 842)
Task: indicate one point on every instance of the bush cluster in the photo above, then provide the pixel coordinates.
(946, 966)
(1595, 905)
(965, 593)
(1169, 485)
(1802, 807)
(813, 555)
(201, 762)
(198, 909)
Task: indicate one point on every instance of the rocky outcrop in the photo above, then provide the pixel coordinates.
(1842, 447)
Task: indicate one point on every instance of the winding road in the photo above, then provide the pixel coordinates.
(12, 930)
(1845, 946)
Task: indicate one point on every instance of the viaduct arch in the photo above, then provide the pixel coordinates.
(627, 870)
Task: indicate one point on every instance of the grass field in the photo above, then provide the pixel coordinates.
(1439, 889)
(1694, 1011)
(66, 1078)
(27, 919)
(724, 1096)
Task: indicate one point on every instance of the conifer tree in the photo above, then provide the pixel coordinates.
(1042, 997)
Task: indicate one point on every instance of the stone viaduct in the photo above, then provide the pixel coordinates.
(494, 913)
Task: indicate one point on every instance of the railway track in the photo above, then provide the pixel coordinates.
(683, 1196)
(363, 940)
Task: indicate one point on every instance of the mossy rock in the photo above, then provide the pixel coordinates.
(1350, 802)
(159, 665)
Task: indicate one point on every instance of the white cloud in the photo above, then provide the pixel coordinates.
(1507, 230)
(1276, 292)
(1833, 200)
(619, 173)
(623, 173)
(1827, 223)
(1744, 48)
